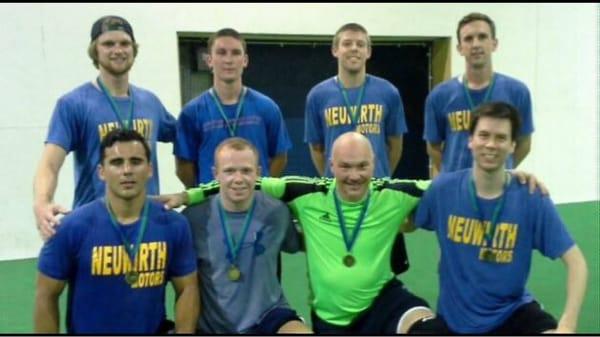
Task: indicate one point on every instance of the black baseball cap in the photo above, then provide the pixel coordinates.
(109, 23)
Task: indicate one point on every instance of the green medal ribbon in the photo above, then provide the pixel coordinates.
(231, 126)
(489, 234)
(125, 122)
(352, 112)
(487, 95)
(233, 248)
(131, 250)
(349, 242)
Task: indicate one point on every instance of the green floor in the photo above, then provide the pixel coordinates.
(547, 280)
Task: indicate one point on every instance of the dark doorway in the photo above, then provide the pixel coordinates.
(286, 71)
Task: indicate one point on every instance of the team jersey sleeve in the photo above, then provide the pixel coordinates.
(167, 125)
(278, 137)
(290, 242)
(434, 129)
(407, 192)
(188, 137)
(291, 187)
(313, 128)
(425, 210)
(286, 189)
(396, 122)
(524, 107)
(56, 257)
(551, 237)
(197, 216)
(63, 129)
(183, 260)
(201, 193)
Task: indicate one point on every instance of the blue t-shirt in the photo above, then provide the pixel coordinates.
(381, 116)
(201, 128)
(448, 115)
(83, 117)
(87, 253)
(477, 296)
(235, 307)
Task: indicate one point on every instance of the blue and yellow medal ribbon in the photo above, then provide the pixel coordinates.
(486, 97)
(353, 112)
(231, 126)
(233, 248)
(131, 250)
(125, 122)
(350, 241)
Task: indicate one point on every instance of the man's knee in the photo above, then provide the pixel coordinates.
(433, 325)
(412, 316)
(294, 327)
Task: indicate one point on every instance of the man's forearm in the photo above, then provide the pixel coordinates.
(435, 156)
(394, 152)
(576, 287)
(187, 305)
(277, 165)
(521, 150)
(186, 172)
(44, 185)
(46, 315)
(317, 154)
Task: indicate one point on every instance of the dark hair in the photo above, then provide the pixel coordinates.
(122, 135)
(499, 110)
(353, 27)
(230, 32)
(475, 17)
(238, 144)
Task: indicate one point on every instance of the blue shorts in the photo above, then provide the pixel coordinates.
(273, 321)
(381, 318)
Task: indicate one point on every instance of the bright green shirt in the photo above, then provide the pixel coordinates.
(340, 293)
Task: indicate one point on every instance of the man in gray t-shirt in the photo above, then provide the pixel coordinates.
(238, 235)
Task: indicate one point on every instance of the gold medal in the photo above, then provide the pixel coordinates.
(234, 273)
(349, 260)
(131, 277)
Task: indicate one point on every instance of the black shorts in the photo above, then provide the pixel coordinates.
(381, 318)
(270, 323)
(528, 319)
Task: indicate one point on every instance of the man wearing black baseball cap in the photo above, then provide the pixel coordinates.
(111, 22)
(82, 118)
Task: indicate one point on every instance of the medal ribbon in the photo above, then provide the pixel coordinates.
(487, 95)
(131, 251)
(231, 126)
(349, 242)
(125, 122)
(232, 248)
(489, 234)
(352, 112)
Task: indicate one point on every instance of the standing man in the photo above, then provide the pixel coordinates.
(83, 117)
(354, 101)
(228, 109)
(449, 105)
(349, 225)
(487, 227)
(238, 234)
(117, 254)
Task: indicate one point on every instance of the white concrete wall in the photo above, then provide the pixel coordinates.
(551, 47)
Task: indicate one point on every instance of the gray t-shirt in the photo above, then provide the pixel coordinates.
(235, 307)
